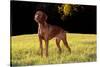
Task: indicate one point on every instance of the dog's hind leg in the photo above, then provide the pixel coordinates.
(65, 42)
(58, 44)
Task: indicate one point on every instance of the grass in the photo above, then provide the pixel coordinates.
(25, 50)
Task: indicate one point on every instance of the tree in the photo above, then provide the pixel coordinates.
(68, 9)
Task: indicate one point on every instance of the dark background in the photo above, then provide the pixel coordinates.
(22, 14)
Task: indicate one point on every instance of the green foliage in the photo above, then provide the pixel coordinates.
(68, 9)
(25, 50)
(64, 10)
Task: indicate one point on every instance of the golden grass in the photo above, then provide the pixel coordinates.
(25, 50)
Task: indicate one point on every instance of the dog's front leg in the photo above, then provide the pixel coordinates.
(41, 46)
(46, 47)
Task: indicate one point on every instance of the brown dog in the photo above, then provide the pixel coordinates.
(47, 32)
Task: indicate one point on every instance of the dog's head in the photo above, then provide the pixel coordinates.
(40, 16)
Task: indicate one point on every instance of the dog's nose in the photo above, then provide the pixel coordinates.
(36, 16)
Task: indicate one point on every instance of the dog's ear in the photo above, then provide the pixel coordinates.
(45, 16)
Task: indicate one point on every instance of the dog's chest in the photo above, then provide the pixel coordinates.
(42, 31)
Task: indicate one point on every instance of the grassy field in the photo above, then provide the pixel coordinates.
(25, 50)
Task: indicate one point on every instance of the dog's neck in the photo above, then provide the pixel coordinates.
(43, 24)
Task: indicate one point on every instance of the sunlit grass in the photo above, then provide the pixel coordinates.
(25, 50)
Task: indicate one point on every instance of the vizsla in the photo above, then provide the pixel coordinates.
(47, 32)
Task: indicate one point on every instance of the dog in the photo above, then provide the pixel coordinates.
(47, 31)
